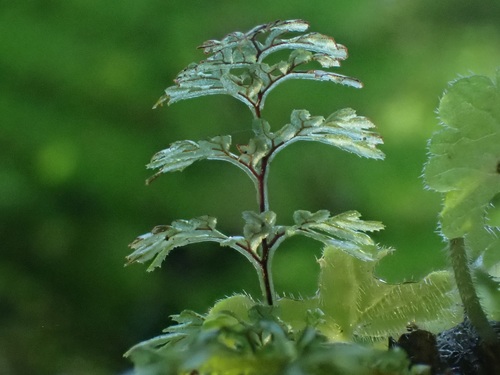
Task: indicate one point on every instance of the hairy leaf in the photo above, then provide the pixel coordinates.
(358, 306)
(182, 154)
(351, 305)
(189, 322)
(164, 238)
(345, 231)
(253, 341)
(464, 160)
(236, 66)
(343, 129)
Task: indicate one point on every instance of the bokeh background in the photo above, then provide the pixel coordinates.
(78, 79)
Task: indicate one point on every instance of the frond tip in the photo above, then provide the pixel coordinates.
(236, 65)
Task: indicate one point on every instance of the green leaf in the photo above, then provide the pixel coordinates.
(182, 154)
(235, 65)
(238, 305)
(464, 164)
(258, 226)
(343, 129)
(189, 322)
(357, 306)
(258, 147)
(464, 160)
(302, 217)
(345, 231)
(483, 245)
(487, 284)
(164, 238)
(258, 344)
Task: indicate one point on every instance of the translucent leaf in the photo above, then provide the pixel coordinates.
(464, 161)
(351, 305)
(358, 306)
(432, 304)
(343, 129)
(238, 305)
(263, 344)
(345, 231)
(164, 238)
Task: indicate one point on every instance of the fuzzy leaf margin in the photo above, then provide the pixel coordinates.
(236, 65)
(343, 129)
(158, 243)
(464, 161)
(346, 231)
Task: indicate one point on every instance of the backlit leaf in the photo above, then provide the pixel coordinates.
(236, 66)
(343, 129)
(464, 160)
(345, 231)
(164, 238)
(182, 154)
(239, 336)
(358, 306)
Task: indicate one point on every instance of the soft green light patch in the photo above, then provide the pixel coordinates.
(404, 117)
(57, 161)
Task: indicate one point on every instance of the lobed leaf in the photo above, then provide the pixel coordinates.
(302, 217)
(162, 239)
(235, 65)
(189, 323)
(357, 306)
(345, 231)
(464, 160)
(258, 147)
(343, 129)
(258, 226)
(182, 154)
(323, 45)
(255, 341)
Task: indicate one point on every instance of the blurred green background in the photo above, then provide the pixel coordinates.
(78, 79)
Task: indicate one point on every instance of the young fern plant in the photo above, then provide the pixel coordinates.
(332, 331)
(237, 66)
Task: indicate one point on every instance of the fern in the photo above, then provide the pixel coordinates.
(237, 66)
(322, 334)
